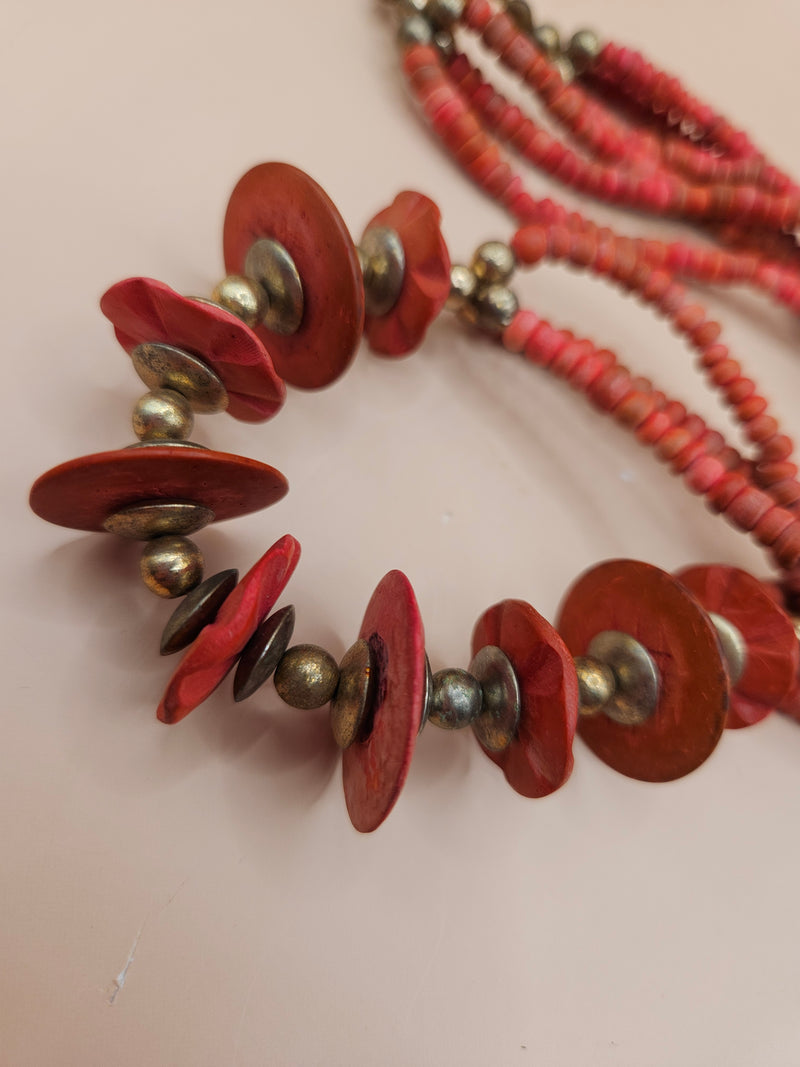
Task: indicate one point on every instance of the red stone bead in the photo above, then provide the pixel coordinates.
(275, 200)
(426, 281)
(144, 310)
(773, 652)
(539, 759)
(655, 609)
(83, 492)
(219, 644)
(374, 770)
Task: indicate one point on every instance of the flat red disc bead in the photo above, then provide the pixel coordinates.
(374, 770)
(539, 759)
(220, 643)
(83, 492)
(144, 310)
(773, 651)
(281, 202)
(426, 282)
(655, 609)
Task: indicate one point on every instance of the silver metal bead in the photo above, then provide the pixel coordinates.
(463, 286)
(565, 69)
(583, 49)
(636, 687)
(520, 11)
(197, 610)
(241, 296)
(306, 677)
(414, 30)
(444, 13)
(162, 415)
(383, 262)
(168, 444)
(493, 262)
(427, 694)
(263, 652)
(445, 43)
(269, 264)
(734, 647)
(456, 700)
(171, 566)
(352, 701)
(495, 307)
(496, 726)
(157, 518)
(548, 39)
(163, 366)
(596, 685)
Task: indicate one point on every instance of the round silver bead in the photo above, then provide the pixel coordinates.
(444, 13)
(520, 11)
(456, 700)
(241, 296)
(496, 726)
(463, 286)
(493, 262)
(171, 566)
(414, 30)
(495, 308)
(548, 39)
(306, 677)
(565, 69)
(383, 264)
(445, 43)
(162, 415)
(596, 685)
(583, 49)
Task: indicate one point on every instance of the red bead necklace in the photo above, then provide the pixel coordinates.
(648, 666)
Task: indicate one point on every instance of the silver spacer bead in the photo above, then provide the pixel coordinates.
(583, 49)
(493, 262)
(520, 11)
(162, 415)
(445, 43)
(463, 286)
(495, 307)
(171, 566)
(548, 39)
(157, 518)
(734, 646)
(414, 30)
(565, 69)
(456, 700)
(636, 682)
(596, 685)
(444, 13)
(306, 677)
(242, 297)
(273, 271)
(383, 264)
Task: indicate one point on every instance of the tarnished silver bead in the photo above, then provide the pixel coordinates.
(463, 286)
(520, 11)
(444, 13)
(456, 700)
(197, 610)
(162, 366)
(241, 296)
(263, 653)
(734, 646)
(414, 30)
(383, 264)
(427, 694)
(171, 566)
(548, 39)
(269, 265)
(445, 43)
(565, 69)
(495, 307)
(352, 701)
(636, 682)
(306, 677)
(496, 725)
(157, 518)
(162, 415)
(493, 262)
(596, 685)
(583, 49)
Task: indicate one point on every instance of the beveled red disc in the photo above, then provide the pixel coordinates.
(426, 281)
(374, 770)
(82, 493)
(655, 609)
(145, 310)
(773, 652)
(220, 643)
(539, 759)
(281, 202)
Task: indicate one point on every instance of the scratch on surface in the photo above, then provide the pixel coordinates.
(119, 981)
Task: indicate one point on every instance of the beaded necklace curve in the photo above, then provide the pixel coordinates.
(649, 667)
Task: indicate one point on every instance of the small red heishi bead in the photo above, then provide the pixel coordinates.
(539, 759)
(278, 201)
(657, 611)
(220, 644)
(374, 769)
(144, 310)
(772, 651)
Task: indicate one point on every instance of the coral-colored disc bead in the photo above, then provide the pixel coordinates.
(374, 770)
(539, 759)
(426, 281)
(219, 644)
(84, 492)
(277, 201)
(662, 615)
(773, 652)
(144, 310)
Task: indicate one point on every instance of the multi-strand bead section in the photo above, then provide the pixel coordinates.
(737, 196)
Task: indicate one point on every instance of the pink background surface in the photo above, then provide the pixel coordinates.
(196, 895)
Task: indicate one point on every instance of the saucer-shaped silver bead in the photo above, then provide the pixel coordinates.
(171, 566)
(162, 366)
(456, 700)
(351, 703)
(162, 415)
(427, 694)
(263, 653)
(496, 725)
(196, 611)
(734, 646)
(383, 266)
(306, 677)
(636, 682)
(241, 296)
(157, 518)
(275, 274)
